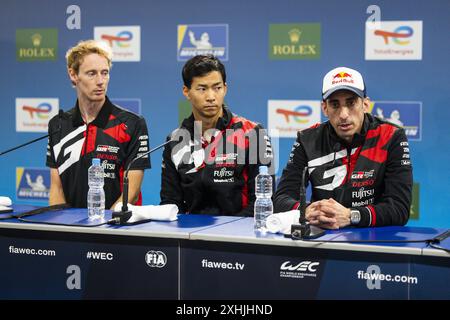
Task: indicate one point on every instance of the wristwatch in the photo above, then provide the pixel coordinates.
(355, 217)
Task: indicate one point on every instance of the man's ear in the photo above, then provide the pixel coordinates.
(366, 104)
(186, 92)
(324, 108)
(73, 76)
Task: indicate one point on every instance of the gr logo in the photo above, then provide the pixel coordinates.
(155, 259)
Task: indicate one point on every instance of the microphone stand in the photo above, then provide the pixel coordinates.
(24, 144)
(60, 115)
(303, 230)
(122, 216)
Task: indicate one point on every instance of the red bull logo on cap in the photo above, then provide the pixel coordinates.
(342, 77)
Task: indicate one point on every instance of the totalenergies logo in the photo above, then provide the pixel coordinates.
(41, 111)
(122, 39)
(299, 113)
(398, 34)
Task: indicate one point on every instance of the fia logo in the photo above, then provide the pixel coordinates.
(155, 259)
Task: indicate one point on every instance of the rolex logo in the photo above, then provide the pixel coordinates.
(294, 35)
(36, 44)
(36, 39)
(294, 41)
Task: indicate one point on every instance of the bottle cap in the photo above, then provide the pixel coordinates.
(263, 169)
(96, 161)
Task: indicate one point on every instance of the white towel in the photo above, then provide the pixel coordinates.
(5, 201)
(5, 209)
(281, 222)
(165, 212)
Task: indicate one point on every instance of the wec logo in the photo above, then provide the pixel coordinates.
(302, 266)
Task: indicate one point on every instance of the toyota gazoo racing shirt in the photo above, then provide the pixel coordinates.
(218, 177)
(116, 137)
(373, 174)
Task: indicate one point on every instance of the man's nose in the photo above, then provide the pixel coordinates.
(343, 112)
(210, 95)
(100, 79)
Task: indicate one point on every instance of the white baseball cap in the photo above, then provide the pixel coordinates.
(343, 78)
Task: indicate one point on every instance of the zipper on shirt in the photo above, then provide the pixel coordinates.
(86, 138)
(349, 156)
(340, 196)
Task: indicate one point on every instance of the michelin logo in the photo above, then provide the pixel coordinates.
(33, 183)
(197, 39)
(405, 114)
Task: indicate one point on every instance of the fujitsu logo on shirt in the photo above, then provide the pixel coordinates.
(362, 193)
(223, 173)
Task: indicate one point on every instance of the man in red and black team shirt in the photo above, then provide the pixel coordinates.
(94, 128)
(359, 165)
(211, 165)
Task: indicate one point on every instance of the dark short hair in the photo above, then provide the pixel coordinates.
(199, 66)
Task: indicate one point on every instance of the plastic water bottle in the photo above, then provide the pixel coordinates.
(96, 194)
(263, 203)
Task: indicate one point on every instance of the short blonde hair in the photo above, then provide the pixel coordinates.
(75, 55)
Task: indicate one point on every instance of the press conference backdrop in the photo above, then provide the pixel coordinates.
(275, 52)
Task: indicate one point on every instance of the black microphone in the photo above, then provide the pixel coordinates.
(304, 230)
(60, 115)
(122, 216)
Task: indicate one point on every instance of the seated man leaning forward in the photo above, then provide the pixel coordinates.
(359, 166)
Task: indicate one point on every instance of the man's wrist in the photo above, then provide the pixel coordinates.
(355, 217)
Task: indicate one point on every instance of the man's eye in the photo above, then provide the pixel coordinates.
(351, 103)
